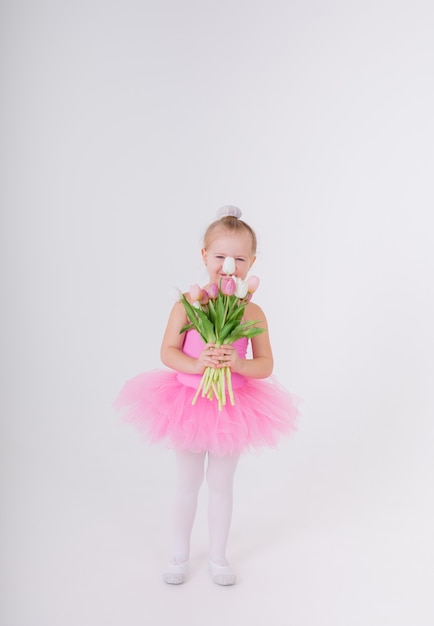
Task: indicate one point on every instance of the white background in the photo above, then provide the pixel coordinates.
(124, 126)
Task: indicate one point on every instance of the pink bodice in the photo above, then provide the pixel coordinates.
(193, 346)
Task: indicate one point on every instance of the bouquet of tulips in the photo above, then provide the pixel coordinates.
(217, 315)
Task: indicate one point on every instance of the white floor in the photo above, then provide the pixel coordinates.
(86, 528)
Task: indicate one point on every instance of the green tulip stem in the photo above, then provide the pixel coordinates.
(216, 383)
(229, 384)
(201, 384)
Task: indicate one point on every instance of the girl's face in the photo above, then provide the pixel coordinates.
(224, 244)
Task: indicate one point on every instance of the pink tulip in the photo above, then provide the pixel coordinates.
(253, 283)
(228, 286)
(205, 298)
(195, 293)
(213, 291)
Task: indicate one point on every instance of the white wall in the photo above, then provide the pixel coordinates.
(124, 127)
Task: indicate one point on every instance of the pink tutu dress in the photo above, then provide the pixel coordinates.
(159, 403)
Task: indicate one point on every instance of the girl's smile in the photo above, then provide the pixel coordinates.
(238, 246)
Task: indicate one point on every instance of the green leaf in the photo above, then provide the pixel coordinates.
(246, 329)
(186, 327)
(190, 310)
(227, 329)
(253, 332)
(236, 315)
(211, 309)
(221, 321)
(206, 326)
(220, 313)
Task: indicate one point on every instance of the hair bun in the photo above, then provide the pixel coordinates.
(229, 209)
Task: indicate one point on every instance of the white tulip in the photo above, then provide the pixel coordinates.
(242, 288)
(229, 265)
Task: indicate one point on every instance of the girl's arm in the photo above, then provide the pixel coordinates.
(261, 364)
(171, 353)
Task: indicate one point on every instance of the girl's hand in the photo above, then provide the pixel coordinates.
(208, 358)
(228, 357)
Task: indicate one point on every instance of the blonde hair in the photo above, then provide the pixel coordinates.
(232, 224)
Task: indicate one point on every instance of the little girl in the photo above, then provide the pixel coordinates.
(159, 402)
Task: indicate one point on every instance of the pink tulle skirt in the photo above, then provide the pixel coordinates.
(160, 406)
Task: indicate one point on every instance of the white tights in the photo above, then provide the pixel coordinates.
(220, 473)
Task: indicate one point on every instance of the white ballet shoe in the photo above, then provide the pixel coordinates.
(176, 572)
(222, 574)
